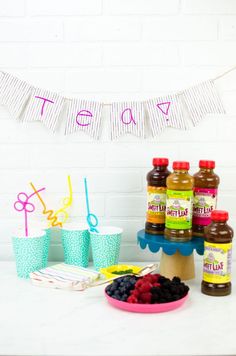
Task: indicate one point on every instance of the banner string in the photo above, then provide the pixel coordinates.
(178, 93)
(224, 73)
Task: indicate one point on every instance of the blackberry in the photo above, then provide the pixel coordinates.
(176, 280)
(155, 290)
(162, 279)
(169, 290)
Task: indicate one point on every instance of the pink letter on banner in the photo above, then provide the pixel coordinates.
(85, 113)
(164, 107)
(44, 102)
(131, 117)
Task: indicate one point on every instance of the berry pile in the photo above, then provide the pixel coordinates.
(150, 289)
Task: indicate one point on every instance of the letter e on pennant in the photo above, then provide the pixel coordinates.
(81, 114)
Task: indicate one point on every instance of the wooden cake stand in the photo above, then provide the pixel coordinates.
(177, 257)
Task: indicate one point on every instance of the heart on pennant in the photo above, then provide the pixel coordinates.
(164, 107)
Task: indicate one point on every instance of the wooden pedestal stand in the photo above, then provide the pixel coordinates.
(177, 257)
(177, 265)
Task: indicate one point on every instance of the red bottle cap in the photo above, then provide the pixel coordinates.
(160, 161)
(207, 164)
(219, 215)
(181, 165)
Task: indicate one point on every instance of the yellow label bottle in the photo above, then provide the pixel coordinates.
(217, 258)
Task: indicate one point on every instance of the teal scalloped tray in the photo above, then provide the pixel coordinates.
(155, 242)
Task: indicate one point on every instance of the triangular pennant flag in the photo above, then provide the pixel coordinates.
(44, 106)
(202, 99)
(127, 117)
(84, 115)
(164, 112)
(14, 94)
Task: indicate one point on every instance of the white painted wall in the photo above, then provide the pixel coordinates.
(113, 50)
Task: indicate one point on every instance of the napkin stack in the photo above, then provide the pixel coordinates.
(64, 276)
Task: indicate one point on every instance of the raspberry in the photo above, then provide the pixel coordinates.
(148, 278)
(139, 283)
(157, 276)
(145, 287)
(146, 298)
(135, 293)
(132, 299)
(156, 284)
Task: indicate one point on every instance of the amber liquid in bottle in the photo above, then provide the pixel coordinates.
(219, 233)
(179, 184)
(205, 190)
(156, 190)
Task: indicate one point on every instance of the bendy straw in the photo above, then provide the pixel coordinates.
(51, 215)
(23, 204)
(92, 219)
(67, 202)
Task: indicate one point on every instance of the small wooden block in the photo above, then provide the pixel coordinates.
(177, 265)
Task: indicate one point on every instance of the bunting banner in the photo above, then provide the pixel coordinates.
(166, 111)
(44, 106)
(14, 94)
(85, 116)
(27, 103)
(202, 99)
(127, 117)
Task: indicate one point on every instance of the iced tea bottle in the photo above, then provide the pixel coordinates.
(205, 196)
(179, 203)
(217, 255)
(156, 196)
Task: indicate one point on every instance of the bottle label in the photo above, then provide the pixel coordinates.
(156, 201)
(204, 202)
(179, 209)
(217, 262)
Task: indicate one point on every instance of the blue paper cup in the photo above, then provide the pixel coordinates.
(29, 253)
(106, 246)
(76, 243)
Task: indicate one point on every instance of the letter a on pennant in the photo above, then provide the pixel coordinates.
(127, 117)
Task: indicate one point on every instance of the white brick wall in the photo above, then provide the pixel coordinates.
(113, 50)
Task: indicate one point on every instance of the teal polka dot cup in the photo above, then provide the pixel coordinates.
(106, 246)
(29, 253)
(76, 244)
(46, 246)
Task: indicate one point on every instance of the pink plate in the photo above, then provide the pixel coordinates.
(146, 308)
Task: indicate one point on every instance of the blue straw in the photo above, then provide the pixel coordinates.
(92, 219)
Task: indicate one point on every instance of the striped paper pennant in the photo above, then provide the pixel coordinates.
(202, 99)
(165, 111)
(84, 115)
(44, 106)
(127, 117)
(14, 94)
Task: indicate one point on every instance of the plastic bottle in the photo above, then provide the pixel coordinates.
(179, 203)
(205, 196)
(156, 196)
(217, 258)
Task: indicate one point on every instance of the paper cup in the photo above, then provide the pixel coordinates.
(29, 253)
(76, 243)
(106, 246)
(46, 246)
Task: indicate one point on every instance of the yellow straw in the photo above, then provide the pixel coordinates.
(51, 215)
(67, 202)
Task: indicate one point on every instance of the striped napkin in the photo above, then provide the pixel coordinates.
(63, 276)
